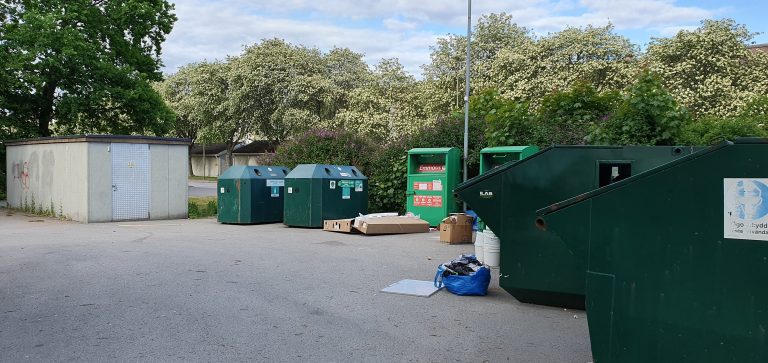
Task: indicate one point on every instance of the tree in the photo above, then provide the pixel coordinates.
(83, 65)
(444, 75)
(188, 94)
(387, 107)
(595, 55)
(282, 89)
(508, 122)
(565, 117)
(647, 115)
(710, 70)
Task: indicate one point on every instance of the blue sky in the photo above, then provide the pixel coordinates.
(405, 29)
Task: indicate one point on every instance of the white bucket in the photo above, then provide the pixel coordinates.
(479, 242)
(491, 248)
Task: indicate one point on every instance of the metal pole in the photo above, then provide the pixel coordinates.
(466, 91)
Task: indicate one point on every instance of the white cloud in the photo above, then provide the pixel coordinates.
(214, 29)
(398, 25)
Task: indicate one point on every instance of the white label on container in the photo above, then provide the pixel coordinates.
(745, 208)
(290, 190)
(423, 186)
(222, 190)
(437, 185)
(345, 174)
(275, 182)
(332, 184)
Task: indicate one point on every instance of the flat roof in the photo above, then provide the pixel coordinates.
(132, 139)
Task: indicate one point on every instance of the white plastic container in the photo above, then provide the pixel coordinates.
(479, 243)
(491, 248)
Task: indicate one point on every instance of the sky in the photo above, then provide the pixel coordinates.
(405, 29)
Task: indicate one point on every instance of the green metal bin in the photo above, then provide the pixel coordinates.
(315, 193)
(251, 194)
(678, 258)
(493, 157)
(432, 175)
(536, 265)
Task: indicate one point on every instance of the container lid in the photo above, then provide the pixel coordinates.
(431, 150)
(506, 149)
(255, 172)
(324, 171)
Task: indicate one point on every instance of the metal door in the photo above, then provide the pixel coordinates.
(130, 181)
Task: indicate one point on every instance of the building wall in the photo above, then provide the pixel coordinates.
(212, 165)
(100, 182)
(246, 159)
(54, 175)
(168, 180)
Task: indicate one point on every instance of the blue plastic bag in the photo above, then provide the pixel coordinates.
(471, 285)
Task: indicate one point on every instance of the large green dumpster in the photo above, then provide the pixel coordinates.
(432, 175)
(493, 157)
(251, 194)
(315, 192)
(678, 258)
(536, 265)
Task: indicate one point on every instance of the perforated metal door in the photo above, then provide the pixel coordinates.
(130, 181)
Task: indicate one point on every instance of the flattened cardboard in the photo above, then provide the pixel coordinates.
(338, 225)
(392, 225)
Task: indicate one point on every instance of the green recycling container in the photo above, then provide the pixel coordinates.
(251, 194)
(432, 175)
(536, 264)
(493, 157)
(315, 193)
(678, 258)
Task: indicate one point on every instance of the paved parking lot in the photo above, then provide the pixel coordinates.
(195, 290)
(201, 188)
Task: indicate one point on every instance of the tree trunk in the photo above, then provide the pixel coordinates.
(189, 157)
(46, 108)
(230, 149)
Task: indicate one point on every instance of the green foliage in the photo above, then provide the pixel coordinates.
(507, 122)
(757, 108)
(647, 115)
(87, 65)
(443, 85)
(709, 130)
(565, 117)
(710, 70)
(202, 207)
(320, 146)
(558, 61)
(387, 107)
(387, 180)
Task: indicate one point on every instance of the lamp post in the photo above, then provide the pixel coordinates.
(466, 91)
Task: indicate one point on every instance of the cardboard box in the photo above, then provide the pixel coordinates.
(456, 228)
(338, 225)
(391, 225)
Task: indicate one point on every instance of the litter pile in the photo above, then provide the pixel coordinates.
(464, 275)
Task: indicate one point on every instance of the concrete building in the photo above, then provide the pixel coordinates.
(205, 159)
(99, 178)
(250, 154)
(759, 47)
(211, 160)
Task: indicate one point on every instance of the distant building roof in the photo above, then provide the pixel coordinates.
(256, 147)
(210, 149)
(760, 47)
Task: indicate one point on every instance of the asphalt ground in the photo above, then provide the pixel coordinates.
(196, 290)
(201, 188)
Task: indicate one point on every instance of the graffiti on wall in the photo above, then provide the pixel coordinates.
(21, 173)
